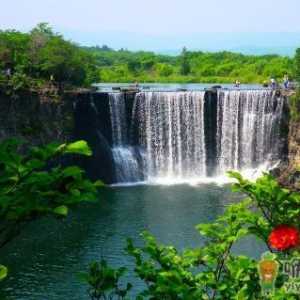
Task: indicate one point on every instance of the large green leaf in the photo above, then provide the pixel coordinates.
(72, 171)
(3, 272)
(99, 183)
(79, 147)
(61, 210)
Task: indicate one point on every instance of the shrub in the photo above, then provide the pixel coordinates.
(33, 185)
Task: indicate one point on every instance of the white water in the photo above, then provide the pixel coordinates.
(126, 164)
(118, 119)
(171, 129)
(248, 129)
(127, 167)
(171, 133)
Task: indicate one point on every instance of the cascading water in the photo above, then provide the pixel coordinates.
(166, 136)
(248, 129)
(126, 163)
(118, 119)
(171, 129)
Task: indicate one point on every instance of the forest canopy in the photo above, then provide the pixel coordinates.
(44, 54)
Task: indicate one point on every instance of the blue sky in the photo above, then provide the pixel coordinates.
(162, 24)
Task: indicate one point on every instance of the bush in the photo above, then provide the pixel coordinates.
(30, 188)
(104, 281)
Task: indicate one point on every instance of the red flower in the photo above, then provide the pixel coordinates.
(284, 237)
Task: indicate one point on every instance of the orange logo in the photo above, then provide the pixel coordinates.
(268, 271)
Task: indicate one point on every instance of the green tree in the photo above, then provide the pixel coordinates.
(104, 282)
(43, 29)
(42, 54)
(297, 65)
(185, 67)
(13, 49)
(295, 99)
(62, 60)
(133, 65)
(163, 70)
(39, 37)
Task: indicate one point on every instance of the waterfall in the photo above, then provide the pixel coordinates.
(125, 158)
(248, 129)
(127, 166)
(118, 118)
(181, 136)
(171, 129)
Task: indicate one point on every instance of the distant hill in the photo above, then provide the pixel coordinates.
(284, 51)
(250, 50)
(259, 43)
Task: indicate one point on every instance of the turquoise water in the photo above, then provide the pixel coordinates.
(45, 259)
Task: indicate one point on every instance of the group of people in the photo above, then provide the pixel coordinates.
(286, 82)
(272, 83)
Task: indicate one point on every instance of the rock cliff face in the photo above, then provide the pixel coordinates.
(41, 119)
(289, 173)
(35, 118)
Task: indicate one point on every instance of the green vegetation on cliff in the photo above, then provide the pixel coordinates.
(295, 99)
(44, 55)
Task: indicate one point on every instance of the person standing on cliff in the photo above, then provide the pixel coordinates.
(8, 73)
(237, 84)
(273, 83)
(286, 81)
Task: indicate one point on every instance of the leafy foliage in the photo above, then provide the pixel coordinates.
(104, 282)
(297, 65)
(294, 104)
(3, 272)
(43, 54)
(189, 67)
(278, 205)
(185, 67)
(213, 271)
(33, 185)
(210, 272)
(295, 99)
